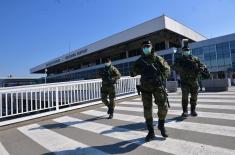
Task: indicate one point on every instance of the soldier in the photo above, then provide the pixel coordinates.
(153, 70)
(189, 67)
(109, 75)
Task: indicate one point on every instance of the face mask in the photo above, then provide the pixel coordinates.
(107, 64)
(186, 53)
(147, 50)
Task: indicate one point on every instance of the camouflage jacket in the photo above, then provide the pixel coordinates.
(188, 67)
(152, 69)
(109, 75)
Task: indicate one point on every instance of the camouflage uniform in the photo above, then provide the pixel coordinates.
(189, 68)
(109, 76)
(151, 86)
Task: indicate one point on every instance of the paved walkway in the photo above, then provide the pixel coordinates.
(89, 132)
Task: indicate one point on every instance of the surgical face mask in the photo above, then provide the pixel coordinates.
(107, 64)
(147, 50)
(186, 53)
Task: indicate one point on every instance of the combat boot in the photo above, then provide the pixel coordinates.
(111, 113)
(162, 129)
(193, 111)
(109, 109)
(185, 112)
(151, 135)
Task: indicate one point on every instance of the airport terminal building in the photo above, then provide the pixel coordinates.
(123, 48)
(218, 54)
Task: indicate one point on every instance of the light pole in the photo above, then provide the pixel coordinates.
(46, 75)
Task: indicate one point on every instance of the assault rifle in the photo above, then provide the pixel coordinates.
(163, 85)
(138, 88)
(204, 72)
(158, 71)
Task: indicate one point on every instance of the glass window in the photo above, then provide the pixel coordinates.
(233, 58)
(234, 67)
(226, 55)
(197, 51)
(173, 45)
(223, 52)
(227, 61)
(233, 51)
(209, 56)
(214, 63)
(134, 52)
(220, 62)
(209, 49)
(160, 46)
(232, 44)
(222, 47)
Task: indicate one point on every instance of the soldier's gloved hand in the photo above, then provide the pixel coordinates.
(114, 81)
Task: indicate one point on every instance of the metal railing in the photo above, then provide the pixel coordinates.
(29, 100)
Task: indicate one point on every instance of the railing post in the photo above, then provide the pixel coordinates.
(57, 98)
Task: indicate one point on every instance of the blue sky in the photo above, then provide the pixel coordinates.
(35, 31)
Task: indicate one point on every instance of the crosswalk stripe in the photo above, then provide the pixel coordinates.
(178, 112)
(206, 93)
(199, 100)
(170, 145)
(197, 127)
(3, 151)
(207, 96)
(55, 142)
(208, 100)
(205, 106)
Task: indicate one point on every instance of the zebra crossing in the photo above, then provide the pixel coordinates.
(90, 133)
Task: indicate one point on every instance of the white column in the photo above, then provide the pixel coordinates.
(127, 54)
(167, 44)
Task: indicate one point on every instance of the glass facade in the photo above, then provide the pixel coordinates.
(217, 57)
(232, 47)
(124, 69)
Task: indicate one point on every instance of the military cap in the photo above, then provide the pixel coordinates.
(147, 42)
(185, 45)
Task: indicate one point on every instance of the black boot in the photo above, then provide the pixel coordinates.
(111, 113)
(185, 112)
(151, 135)
(109, 109)
(193, 110)
(162, 128)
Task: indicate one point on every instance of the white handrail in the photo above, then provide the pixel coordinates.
(20, 101)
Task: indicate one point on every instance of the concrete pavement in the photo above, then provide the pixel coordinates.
(89, 132)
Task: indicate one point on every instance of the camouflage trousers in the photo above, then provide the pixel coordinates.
(108, 91)
(189, 88)
(160, 101)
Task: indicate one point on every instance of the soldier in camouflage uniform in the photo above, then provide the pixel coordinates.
(189, 67)
(109, 75)
(151, 85)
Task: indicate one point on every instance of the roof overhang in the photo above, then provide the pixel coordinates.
(151, 26)
(213, 41)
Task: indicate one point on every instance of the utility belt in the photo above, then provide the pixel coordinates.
(108, 83)
(191, 77)
(140, 89)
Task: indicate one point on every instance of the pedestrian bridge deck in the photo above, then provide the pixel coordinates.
(87, 131)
